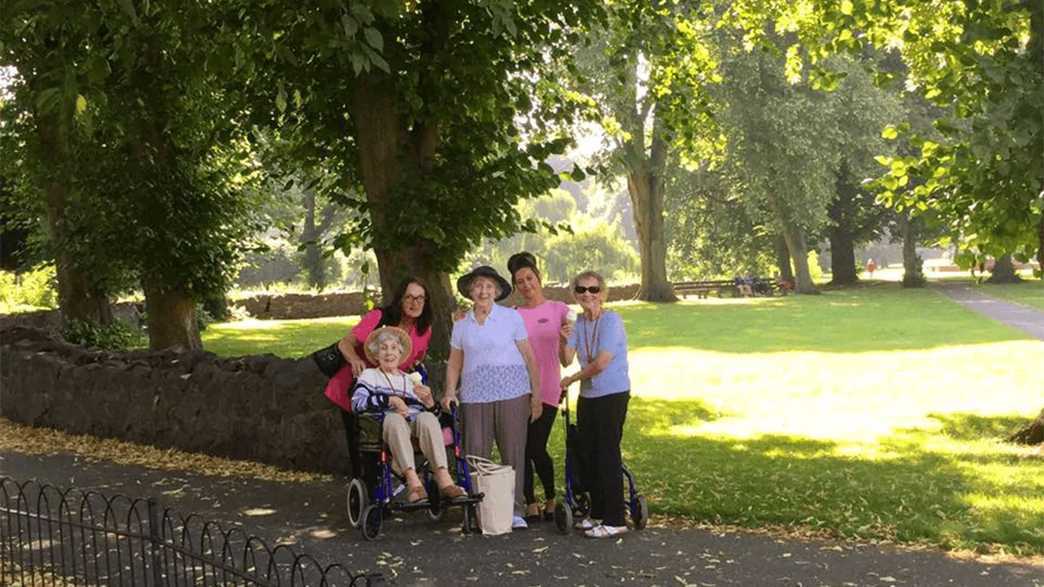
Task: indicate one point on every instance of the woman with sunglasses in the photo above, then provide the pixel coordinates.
(600, 342)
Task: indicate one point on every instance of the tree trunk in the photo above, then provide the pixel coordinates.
(842, 257)
(1004, 271)
(171, 319)
(1033, 433)
(386, 152)
(78, 298)
(786, 270)
(795, 239)
(313, 257)
(913, 273)
(645, 187)
(1040, 247)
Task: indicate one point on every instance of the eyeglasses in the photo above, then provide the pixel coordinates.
(581, 289)
(410, 299)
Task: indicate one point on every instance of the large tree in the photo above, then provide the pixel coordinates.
(44, 42)
(439, 110)
(148, 162)
(643, 72)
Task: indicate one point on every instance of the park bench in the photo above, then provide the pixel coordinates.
(703, 288)
(761, 286)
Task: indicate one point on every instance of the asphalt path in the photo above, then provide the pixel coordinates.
(413, 550)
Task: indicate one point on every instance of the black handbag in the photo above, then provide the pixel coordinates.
(329, 360)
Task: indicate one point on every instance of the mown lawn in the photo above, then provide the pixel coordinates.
(1029, 292)
(868, 413)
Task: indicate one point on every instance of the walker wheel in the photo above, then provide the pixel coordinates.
(563, 518)
(357, 501)
(583, 505)
(471, 524)
(640, 513)
(372, 519)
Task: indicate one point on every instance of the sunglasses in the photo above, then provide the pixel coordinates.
(581, 289)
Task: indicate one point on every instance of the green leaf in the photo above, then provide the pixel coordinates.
(350, 26)
(81, 104)
(889, 132)
(847, 7)
(374, 38)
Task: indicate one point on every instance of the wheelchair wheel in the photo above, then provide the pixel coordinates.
(563, 518)
(372, 518)
(640, 513)
(435, 509)
(583, 505)
(358, 499)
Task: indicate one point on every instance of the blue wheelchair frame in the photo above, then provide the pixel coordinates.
(383, 504)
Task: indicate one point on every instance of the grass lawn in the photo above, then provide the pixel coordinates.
(1029, 292)
(867, 413)
(285, 338)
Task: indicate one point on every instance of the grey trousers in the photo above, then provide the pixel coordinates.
(506, 421)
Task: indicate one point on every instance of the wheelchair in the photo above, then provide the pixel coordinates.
(376, 492)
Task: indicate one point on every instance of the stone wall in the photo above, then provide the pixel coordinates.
(299, 306)
(260, 408)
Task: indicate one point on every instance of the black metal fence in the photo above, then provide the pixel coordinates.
(50, 536)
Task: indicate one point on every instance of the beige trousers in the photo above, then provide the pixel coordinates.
(425, 427)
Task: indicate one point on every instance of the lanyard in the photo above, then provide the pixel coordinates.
(392, 386)
(592, 342)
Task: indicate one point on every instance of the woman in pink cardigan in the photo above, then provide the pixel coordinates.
(408, 310)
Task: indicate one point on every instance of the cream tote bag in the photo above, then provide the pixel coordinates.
(497, 485)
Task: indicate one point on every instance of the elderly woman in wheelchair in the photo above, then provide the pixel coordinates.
(403, 403)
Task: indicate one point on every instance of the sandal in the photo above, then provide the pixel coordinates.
(416, 494)
(549, 510)
(533, 512)
(603, 531)
(451, 491)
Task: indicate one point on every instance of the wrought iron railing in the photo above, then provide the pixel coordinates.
(50, 536)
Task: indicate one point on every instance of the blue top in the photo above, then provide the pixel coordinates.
(589, 338)
(494, 369)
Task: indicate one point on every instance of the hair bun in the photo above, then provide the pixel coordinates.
(520, 260)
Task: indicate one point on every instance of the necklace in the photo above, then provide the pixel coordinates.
(392, 385)
(591, 342)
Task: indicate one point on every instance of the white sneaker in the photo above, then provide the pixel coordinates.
(603, 531)
(586, 524)
(519, 523)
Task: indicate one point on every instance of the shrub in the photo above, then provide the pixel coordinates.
(117, 336)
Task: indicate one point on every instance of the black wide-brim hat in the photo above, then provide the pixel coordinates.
(464, 282)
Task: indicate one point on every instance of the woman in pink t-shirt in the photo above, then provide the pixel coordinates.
(547, 325)
(408, 310)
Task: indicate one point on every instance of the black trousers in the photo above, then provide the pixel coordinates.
(537, 458)
(601, 422)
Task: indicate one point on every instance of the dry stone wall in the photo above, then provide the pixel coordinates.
(262, 408)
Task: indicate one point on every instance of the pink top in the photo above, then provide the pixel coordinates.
(543, 324)
(339, 386)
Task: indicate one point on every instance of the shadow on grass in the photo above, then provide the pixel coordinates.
(898, 490)
(976, 427)
(883, 318)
